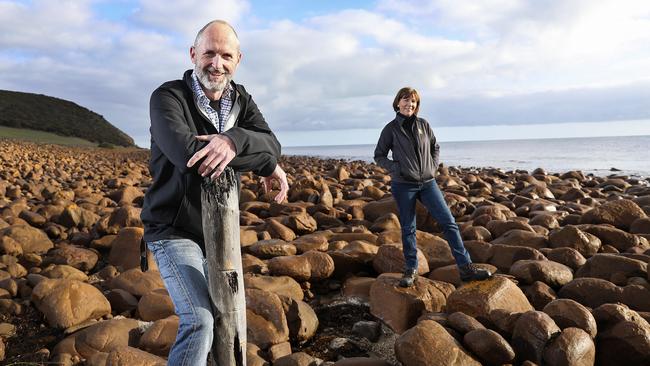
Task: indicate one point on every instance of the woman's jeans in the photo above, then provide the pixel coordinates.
(429, 194)
(183, 270)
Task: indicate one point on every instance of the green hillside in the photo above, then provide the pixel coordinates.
(57, 116)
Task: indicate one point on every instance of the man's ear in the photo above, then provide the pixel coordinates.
(193, 54)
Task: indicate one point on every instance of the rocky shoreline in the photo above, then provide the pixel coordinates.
(571, 254)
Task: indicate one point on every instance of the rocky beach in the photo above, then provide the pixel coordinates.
(570, 252)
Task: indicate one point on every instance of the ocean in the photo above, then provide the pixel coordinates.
(600, 156)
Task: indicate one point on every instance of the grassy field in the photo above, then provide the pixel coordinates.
(41, 137)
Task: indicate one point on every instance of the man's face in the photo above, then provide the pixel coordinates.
(216, 57)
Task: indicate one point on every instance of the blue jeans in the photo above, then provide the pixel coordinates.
(184, 272)
(405, 195)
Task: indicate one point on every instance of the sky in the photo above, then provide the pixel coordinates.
(325, 72)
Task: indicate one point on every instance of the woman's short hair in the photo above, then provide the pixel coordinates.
(405, 93)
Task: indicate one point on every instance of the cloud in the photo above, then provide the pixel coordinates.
(475, 63)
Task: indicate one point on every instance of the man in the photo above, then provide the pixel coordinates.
(200, 125)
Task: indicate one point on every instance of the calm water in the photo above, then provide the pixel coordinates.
(595, 155)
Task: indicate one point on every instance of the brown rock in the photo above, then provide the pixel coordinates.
(551, 273)
(137, 283)
(619, 213)
(125, 216)
(476, 233)
(280, 350)
(64, 271)
(252, 264)
(568, 313)
(272, 248)
(591, 292)
(489, 346)
(414, 347)
(80, 258)
(522, 238)
(282, 285)
(503, 256)
(567, 256)
(103, 243)
(572, 347)
(33, 218)
(387, 222)
(479, 298)
(159, 338)
(572, 237)
(266, 323)
(316, 241)
(126, 195)
(125, 250)
(361, 361)
(296, 359)
(32, 240)
(532, 331)
(623, 336)
(500, 227)
(65, 302)
(390, 259)
(129, 356)
(435, 249)
(294, 266)
(609, 235)
(539, 294)
(479, 251)
(463, 323)
(10, 247)
(254, 356)
(301, 223)
(121, 301)
(301, 319)
(279, 231)
(75, 216)
(358, 287)
(450, 273)
(155, 305)
(606, 265)
(400, 307)
(640, 226)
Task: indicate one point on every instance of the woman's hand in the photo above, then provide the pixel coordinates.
(279, 175)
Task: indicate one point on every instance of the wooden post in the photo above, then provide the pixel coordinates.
(220, 209)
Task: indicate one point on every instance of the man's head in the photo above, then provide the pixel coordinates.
(215, 55)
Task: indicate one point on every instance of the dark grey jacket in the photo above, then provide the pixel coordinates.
(413, 161)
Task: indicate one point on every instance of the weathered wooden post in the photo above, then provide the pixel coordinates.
(220, 208)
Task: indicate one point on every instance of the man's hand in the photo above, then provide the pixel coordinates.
(279, 175)
(218, 153)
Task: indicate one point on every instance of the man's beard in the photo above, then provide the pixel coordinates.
(212, 86)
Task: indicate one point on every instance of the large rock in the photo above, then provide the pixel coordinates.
(606, 266)
(414, 347)
(400, 307)
(591, 292)
(620, 213)
(479, 298)
(97, 341)
(272, 248)
(32, 240)
(283, 285)
(266, 322)
(572, 237)
(489, 346)
(503, 256)
(137, 283)
(573, 347)
(568, 313)
(609, 235)
(532, 331)
(129, 356)
(155, 305)
(451, 274)
(390, 259)
(567, 256)
(64, 271)
(159, 338)
(435, 249)
(301, 319)
(521, 238)
(66, 302)
(72, 255)
(551, 273)
(623, 336)
(75, 216)
(125, 249)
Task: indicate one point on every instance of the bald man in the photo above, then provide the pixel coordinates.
(200, 125)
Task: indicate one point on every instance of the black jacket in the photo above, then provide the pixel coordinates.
(414, 160)
(172, 204)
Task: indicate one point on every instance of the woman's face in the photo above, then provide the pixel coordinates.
(407, 105)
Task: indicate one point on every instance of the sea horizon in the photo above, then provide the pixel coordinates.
(602, 156)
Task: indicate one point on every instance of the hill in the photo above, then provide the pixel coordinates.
(43, 113)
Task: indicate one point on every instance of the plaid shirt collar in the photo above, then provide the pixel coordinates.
(217, 118)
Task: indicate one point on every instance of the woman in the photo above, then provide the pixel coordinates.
(412, 170)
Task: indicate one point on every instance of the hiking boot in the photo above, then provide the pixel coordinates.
(408, 279)
(472, 272)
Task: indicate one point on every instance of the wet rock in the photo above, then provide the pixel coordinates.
(415, 345)
(572, 347)
(532, 331)
(572, 237)
(65, 302)
(489, 346)
(400, 307)
(551, 273)
(479, 298)
(367, 329)
(568, 313)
